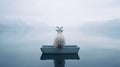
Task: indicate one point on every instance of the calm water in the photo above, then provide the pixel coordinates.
(22, 49)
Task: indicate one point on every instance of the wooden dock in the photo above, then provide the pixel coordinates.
(69, 49)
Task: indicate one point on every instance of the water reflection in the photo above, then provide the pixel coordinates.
(59, 59)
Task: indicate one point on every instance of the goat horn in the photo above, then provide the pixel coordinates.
(61, 28)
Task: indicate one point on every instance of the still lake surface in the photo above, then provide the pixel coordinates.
(22, 49)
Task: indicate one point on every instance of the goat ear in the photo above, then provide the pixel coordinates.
(57, 27)
(57, 30)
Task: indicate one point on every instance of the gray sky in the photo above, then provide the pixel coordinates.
(60, 12)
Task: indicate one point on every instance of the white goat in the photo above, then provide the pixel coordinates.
(59, 40)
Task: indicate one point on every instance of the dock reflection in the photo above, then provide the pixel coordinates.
(59, 59)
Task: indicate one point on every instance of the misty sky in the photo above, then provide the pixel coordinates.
(60, 12)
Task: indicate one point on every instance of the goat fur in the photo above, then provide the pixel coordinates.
(59, 40)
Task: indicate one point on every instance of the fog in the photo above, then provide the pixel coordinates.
(92, 25)
(60, 12)
(103, 33)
